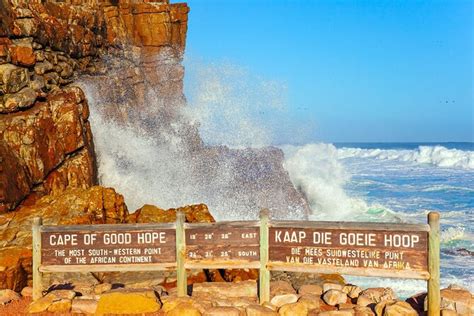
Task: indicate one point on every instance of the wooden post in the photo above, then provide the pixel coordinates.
(434, 299)
(264, 277)
(37, 275)
(182, 282)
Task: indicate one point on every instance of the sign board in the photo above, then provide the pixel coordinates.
(367, 249)
(111, 247)
(354, 249)
(221, 245)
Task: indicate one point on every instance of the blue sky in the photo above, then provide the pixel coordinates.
(355, 71)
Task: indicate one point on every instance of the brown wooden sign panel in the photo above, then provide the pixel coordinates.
(222, 242)
(349, 248)
(110, 247)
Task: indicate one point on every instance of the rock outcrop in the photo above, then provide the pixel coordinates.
(45, 134)
(74, 206)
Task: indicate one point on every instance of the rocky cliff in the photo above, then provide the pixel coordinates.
(45, 137)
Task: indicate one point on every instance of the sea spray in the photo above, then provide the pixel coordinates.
(154, 156)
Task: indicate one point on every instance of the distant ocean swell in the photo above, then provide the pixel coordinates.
(393, 185)
(434, 155)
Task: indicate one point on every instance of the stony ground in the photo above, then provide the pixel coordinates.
(290, 295)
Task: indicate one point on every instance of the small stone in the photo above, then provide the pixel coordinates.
(84, 306)
(293, 309)
(22, 99)
(21, 52)
(312, 289)
(222, 311)
(331, 286)
(41, 304)
(363, 311)
(101, 288)
(337, 313)
(61, 306)
(6, 296)
(257, 310)
(334, 297)
(375, 295)
(27, 291)
(352, 291)
(170, 303)
(43, 67)
(280, 287)
(311, 301)
(448, 312)
(13, 78)
(399, 308)
(127, 302)
(62, 294)
(184, 309)
(280, 300)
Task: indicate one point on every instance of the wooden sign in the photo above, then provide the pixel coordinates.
(351, 248)
(226, 244)
(367, 249)
(99, 247)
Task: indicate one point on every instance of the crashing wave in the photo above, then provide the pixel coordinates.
(435, 155)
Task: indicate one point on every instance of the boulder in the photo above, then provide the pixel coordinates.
(222, 311)
(337, 313)
(244, 289)
(257, 310)
(41, 304)
(311, 289)
(332, 286)
(60, 306)
(184, 310)
(13, 78)
(280, 287)
(352, 291)
(280, 300)
(363, 311)
(375, 295)
(394, 308)
(102, 288)
(293, 309)
(334, 297)
(84, 306)
(20, 100)
(310, 301)
(128, 302)
(456, 298)
(27, 291)
(6, 296)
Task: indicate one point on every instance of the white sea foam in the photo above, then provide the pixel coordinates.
(435, 155)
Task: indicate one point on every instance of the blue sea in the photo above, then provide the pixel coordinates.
(395, 182)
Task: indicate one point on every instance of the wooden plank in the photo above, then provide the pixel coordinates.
(135, 246)
(222, 242)
(405, 227)
(109, 268)
(181, 255)
(106, 227)
(37, 275)
(238, 224)
(374, 250)
(420, 275)
(264, 276)
(434, 296)
(234, 264)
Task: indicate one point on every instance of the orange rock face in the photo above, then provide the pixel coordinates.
(96, 205)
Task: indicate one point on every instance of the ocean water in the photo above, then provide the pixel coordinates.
(395, 182)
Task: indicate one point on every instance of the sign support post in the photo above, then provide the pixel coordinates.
(434, 299)
(182, 282)
(264, 276)
(37, 275)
